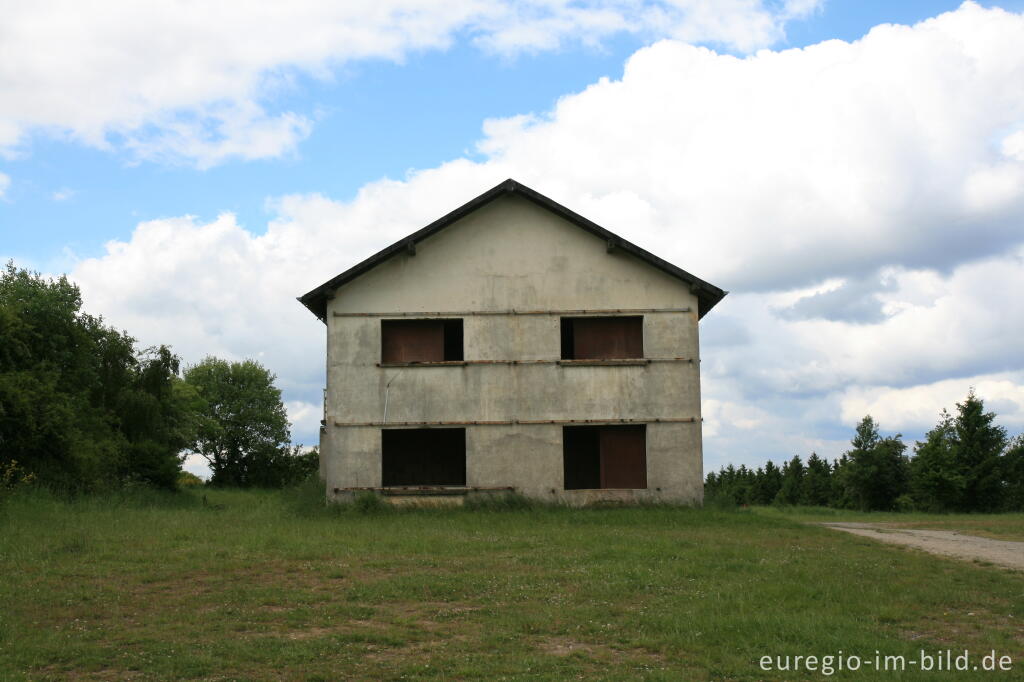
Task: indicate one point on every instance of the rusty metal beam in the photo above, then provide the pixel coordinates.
(553, 361)
(514, 422)
(428, 489)
(466, 313)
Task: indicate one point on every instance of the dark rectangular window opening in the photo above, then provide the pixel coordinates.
(423, 457)
(421, 340)
(604, 456)
(603, 338)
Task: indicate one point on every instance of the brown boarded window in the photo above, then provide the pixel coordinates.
(605, 456)
(602, 338)
(423, 457)
(420, 340)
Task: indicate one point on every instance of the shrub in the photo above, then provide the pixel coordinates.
(719, 500)
(186, 479)
(308, 498)
(13, 476)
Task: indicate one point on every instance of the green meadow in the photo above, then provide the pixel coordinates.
(220, 585)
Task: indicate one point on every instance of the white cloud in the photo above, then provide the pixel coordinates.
(62, 194)
(304, 417)
(1013, 145)
(917, 408)
(834, 189)
(197, 464)
(929, 326)
(837, 157)
(5, 182)
(743, 25)
(196, 82)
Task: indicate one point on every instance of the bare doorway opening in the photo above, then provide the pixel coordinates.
(605, 456)
(421, 340)
(423, 457)
(603, 338)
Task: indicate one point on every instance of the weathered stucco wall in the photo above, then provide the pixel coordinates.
(512, 254)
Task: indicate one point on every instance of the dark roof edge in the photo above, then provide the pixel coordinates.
(707, 294)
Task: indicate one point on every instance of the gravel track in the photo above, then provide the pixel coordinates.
(948, 543)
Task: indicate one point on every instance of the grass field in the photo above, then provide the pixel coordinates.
(269, 585)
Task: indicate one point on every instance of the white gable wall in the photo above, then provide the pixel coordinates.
(512, 254)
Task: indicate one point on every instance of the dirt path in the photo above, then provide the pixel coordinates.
(945, 542)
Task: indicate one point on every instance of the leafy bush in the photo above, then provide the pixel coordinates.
(13, 476)
(186, 479)
(719, 499)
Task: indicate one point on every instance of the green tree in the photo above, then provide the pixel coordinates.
(43, 350)
(770, 485)
(243, 427)
(817, 488)
(792, 489)
(977, 445)
(877, 470)
(964, 463)
(74, 393)
(158, 417)
(937, 481)
(1013, 475)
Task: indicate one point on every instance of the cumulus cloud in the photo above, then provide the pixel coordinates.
(800, 165)
(5, 182)
(853, 196)
(918, 407)
(196, 82)
(936, 326)
(304, 417)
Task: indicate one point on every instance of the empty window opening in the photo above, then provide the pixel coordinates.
(420, 340)
(605, 456)
(423, 457)
(602, 338)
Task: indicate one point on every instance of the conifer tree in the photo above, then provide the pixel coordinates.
(817, 488)
(878, 471)
(978, 444)
(937, 482)
(791, 491)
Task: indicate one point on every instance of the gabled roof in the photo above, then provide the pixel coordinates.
(707, 294)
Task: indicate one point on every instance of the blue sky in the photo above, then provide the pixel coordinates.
(375, 119)
(285, 141)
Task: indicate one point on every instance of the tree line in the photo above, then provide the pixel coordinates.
(967, 463)
(83, 408)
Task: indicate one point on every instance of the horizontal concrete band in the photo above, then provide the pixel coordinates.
(564, 363)
(515, 422)
(465, 313)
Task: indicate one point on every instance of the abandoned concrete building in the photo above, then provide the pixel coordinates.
(513, 345)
